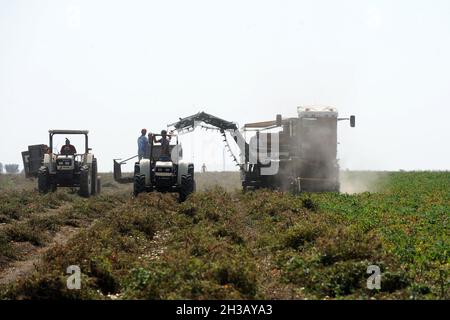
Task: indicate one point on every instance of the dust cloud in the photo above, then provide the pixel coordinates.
(361, 181)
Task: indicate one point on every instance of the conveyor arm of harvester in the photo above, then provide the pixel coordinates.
(189, 124)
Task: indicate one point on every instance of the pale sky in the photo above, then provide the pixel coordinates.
(115, 67)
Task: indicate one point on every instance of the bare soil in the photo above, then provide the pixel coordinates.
(32, 256)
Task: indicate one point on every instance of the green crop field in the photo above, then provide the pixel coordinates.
(225, 244)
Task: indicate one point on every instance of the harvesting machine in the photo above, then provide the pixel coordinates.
(293, 154)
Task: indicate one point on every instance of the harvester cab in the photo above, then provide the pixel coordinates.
(66, 169)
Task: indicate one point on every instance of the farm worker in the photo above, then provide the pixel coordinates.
(142, 144)
(68, 149)
(165, 140)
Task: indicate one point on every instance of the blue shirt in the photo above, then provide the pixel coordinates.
(142, 146)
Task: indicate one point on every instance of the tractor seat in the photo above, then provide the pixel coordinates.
(156, 153)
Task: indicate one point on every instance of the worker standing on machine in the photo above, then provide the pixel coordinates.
(142, 144)
(165, 142)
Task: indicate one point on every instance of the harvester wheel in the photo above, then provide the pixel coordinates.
(139, 184)
(85, 182)
(43, 180)
(296, 186)
(94, 177)
(337, 187)
(187, 187)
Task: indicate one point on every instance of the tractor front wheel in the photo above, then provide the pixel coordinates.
(187, 187)
(139, 184)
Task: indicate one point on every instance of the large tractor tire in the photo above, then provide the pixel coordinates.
(85, 182)
(43, 180)
(99, 185)
(139, 184)
(94, 177)
(187, 187)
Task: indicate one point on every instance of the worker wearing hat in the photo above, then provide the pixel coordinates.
(142, 144)
(165, 141)
(68, 149)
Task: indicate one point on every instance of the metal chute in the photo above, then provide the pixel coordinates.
(118, 171)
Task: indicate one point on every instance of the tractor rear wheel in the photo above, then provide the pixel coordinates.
(94, 177)
(85, 182)
(99, 185)
(43, 180)
(187, 187)
(139, 184)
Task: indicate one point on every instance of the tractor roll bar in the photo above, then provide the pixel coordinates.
(84, 132)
